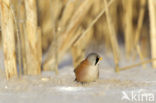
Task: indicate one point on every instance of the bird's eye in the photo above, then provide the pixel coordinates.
(97, 60)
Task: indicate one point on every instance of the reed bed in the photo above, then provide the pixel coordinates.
(33, 29)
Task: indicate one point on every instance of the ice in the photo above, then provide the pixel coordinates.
(61, 88)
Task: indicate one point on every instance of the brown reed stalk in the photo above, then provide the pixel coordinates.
(39, 46)
(68, 36)
(77, 18)
(140, 54)
(21, 23)
(18, 36)
(77, 53)
(31, 39)
(140, 21)
(152, 15)
(78, 50)
(8, 38)
(138, 30)
(137, 64)
(92, 23)
(128, 5)
(144, 42)
(113, 38)
(97, 6)
(48, 10)
(67, 14)
(101, 28)
(54, 44)
(57, 6)
(55, 52)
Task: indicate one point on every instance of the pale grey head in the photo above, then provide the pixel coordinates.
(93, 58)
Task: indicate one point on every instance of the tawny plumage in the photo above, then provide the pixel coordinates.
(87, 70)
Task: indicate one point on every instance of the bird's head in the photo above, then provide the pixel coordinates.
(93, 58)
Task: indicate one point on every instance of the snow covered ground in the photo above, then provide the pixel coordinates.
(137, 85)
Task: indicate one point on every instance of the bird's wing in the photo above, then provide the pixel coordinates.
(81, 66)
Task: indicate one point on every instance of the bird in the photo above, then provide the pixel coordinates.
(88, 71)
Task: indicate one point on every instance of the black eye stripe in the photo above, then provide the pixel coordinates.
(97, 59)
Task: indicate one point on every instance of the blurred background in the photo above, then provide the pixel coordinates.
(37, 34)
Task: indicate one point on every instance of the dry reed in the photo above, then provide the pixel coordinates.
(68, 36)
(49, 28)
(128, 5)
(152, 14)
(21, 23)
(138, 29)
(113, 39)
(8, 37)
(31, 38)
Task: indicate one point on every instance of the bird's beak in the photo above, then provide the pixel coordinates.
(100, 58)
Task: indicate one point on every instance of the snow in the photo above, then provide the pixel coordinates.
(51, 88)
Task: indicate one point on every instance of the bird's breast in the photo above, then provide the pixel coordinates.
(92, 73)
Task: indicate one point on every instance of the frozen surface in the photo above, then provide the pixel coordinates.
(51, 88)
